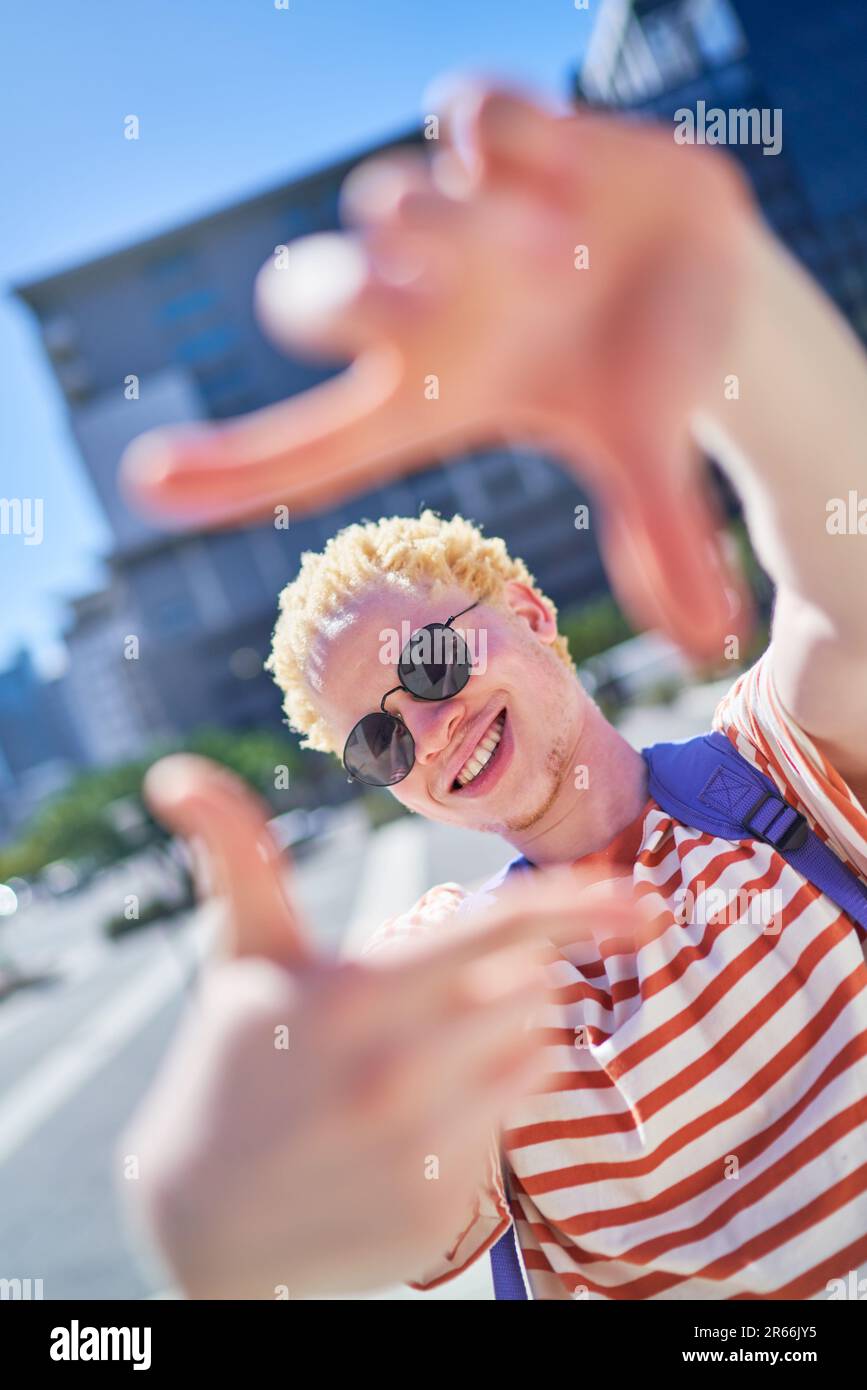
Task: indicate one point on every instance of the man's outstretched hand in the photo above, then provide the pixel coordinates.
(287, 1144)
(569, 281)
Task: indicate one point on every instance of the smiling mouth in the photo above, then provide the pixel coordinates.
(483, 754)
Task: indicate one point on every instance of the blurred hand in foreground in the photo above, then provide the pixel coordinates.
(569, 281)
(286, 1142)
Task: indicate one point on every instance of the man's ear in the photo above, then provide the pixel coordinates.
(532, 608)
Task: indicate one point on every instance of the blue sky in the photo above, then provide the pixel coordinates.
(232, 95)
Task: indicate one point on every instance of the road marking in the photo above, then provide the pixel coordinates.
(393, 880)
(49, 1084)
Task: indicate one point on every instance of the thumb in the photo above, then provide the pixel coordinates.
(196, 798)
(665, 555)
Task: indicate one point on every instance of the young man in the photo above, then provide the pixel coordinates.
(706, 1137)
(703, 1133)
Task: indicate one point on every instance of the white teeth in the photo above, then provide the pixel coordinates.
(482, 754)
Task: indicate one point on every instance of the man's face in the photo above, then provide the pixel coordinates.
(496, 756)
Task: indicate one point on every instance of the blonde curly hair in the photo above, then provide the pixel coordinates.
(408, 552)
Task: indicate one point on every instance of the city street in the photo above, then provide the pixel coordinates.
(76, 1055)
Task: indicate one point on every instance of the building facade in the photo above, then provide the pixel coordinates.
(164, 332)
(39, 744)
(806, 62)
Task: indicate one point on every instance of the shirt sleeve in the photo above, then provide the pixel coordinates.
(753, 717)
(488, 1214)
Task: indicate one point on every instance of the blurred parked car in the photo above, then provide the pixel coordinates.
(297, 830)
(13, 978)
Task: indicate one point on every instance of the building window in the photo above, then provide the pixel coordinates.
(296, 220)
(60, 335)
(75, 379)
(717, 31)
(328, 206)
(188, 305)
(637, 76)
(207, 346)
(238, 572)
(669, 41)
(226, 377)
(502, 482)
(171, 265)
(175, 617)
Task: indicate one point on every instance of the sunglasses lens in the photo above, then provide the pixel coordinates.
(435, 663)
(379, 751)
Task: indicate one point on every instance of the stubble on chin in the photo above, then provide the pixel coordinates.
(556, 768)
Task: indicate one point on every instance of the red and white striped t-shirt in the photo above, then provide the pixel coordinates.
(705, 1133)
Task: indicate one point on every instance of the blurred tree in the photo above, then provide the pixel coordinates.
(594, 627)
(101, 816)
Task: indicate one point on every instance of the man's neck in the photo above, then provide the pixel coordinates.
(603, 790)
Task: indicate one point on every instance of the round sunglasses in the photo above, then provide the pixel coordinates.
(435, 664)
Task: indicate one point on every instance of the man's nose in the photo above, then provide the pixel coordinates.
(432, 723)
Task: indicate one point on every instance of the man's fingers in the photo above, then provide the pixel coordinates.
(556, 908)
(409, 225)
(395, 188)
(664, 553)
(504, 135)
(336, 440)
(337, 294)
(469, 1050)
(200, 800)
(466, 1124)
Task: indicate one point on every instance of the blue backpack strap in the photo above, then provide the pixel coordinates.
(705, 783)
(506, 1268)
(514, 867)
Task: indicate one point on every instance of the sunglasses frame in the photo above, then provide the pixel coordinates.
(397, 717)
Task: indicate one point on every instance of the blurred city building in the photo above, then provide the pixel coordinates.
(39, 746)
(164, 332)
(806, 60)
(111, 690)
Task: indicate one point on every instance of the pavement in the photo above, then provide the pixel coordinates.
(77, 1054)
